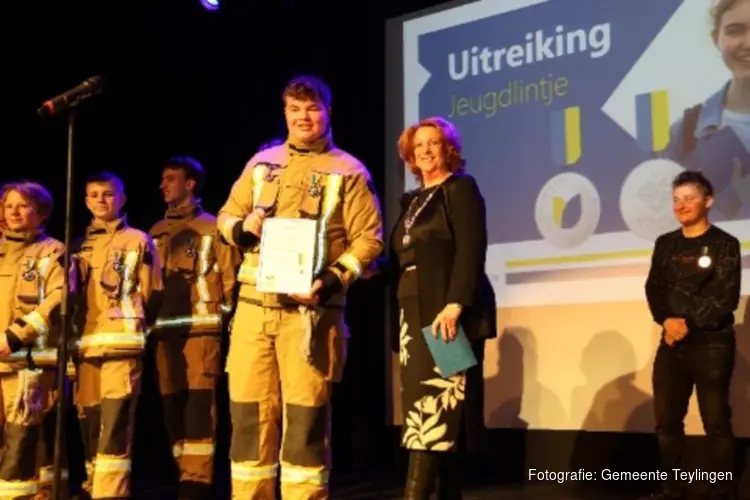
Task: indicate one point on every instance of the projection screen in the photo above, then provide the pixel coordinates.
(572, 114)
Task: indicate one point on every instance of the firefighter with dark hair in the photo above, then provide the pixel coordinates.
(288, 350)
(200, 272)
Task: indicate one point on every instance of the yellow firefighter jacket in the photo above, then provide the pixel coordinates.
(121, 284)
(199, 272)
(31, 285)
(319, 182)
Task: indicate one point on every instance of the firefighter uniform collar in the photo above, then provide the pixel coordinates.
(321, 145)
(110, 227)
(22, 238)
(187, 211)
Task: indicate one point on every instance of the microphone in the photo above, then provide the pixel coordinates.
(71, 98)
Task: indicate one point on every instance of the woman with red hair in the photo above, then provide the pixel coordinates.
(438, 251)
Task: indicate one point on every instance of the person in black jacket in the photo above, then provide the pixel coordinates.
(693, 289)
(438, 252)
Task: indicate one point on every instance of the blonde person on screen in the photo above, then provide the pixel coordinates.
(437, 261)
(728, 107)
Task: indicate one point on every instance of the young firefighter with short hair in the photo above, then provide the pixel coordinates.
(288, 350)
(121, 284)
(200, 272)
(31, 286)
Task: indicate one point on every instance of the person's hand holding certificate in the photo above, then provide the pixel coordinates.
(287, 252)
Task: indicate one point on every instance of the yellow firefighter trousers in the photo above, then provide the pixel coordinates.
(28, 443)
(187, 370)
(106, 399)
(266, 369)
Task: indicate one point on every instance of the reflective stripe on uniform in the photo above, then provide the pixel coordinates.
(300, 475)
(330, 201)
(195, 320)
(352, 263)
(43, 267)
(130, 319)
(15, 489)
(40, 356)
(248, 273)
(106, 464)
(204, 267)
(227, 227)
(244, 471)
(34, 318)
(37, 321)
(113, 339)
(194, 449)
(259, 177)
(47, 474)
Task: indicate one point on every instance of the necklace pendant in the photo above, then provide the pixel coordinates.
(406, 240)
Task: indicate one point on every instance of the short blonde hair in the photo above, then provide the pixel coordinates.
(34, 193)
(449, 136)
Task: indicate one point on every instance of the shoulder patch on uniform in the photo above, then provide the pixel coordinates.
(270, 166)
(269, 170)
(270, 155)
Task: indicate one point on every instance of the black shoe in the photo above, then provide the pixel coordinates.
(421, 475)
(450, 477)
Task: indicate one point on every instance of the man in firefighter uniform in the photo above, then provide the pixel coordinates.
(287, 350)
(31, 285)
(200, 272)
(121, 283)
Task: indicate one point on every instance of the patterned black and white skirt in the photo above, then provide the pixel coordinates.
(432, 405)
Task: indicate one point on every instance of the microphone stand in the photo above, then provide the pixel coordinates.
(62, 350)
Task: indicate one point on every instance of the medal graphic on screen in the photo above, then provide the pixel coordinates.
(704, 261)
(647, 189)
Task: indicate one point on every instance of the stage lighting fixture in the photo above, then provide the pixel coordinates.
(210, 4)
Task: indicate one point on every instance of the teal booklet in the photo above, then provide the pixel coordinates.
(450, 357)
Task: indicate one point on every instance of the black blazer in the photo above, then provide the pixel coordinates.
(450, 242)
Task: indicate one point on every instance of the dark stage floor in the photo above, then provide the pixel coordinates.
(388, 490)
(374, 491)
